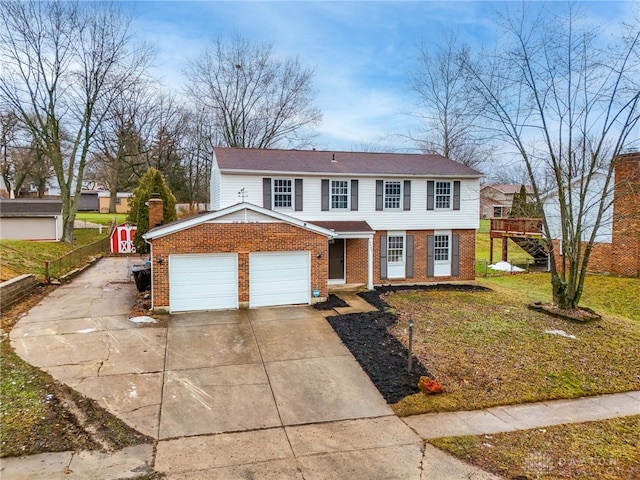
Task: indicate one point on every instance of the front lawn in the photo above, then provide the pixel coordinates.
(487, 348)
(606, 449)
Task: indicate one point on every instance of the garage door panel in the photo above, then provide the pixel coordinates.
(279, 278)
(203, 282)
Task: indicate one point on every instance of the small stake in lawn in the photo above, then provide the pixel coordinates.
(410, 344)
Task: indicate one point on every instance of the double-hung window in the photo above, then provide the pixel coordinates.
(395, 249)
(443, 195)
(392, 195)
(339, 194)
(282, 193)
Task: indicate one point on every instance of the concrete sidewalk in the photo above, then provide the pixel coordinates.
(525, 416)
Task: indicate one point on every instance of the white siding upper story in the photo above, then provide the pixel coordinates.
(226, 188)
(593, 197)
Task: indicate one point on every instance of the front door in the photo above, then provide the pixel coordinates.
(336, 259)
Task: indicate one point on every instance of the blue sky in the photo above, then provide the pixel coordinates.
(362, 52)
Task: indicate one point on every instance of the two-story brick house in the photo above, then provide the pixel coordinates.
(287, 223)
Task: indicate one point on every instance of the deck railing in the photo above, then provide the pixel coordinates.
(515, 226)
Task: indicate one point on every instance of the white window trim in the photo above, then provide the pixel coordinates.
(339, 209)
(273, 194)
(435, 195)
(384, 196)
(403, 262)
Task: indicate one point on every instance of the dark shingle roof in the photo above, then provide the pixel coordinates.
(337, 163)
(19, 207)
(339, 226)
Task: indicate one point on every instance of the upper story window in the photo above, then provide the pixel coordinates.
(282, 193)
(339, 194)
(392, 195)
(443, 195)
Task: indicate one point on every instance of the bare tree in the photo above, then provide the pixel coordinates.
(449, 115)
(569, 104)
(257, 100)
(61, 63)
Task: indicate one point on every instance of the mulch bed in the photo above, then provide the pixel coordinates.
(582, 314)
(330, 303)
(382, 356)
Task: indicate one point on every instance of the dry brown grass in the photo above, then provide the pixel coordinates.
(488, 348)
(606, 449)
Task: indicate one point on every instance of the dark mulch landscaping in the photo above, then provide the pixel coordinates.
(380, 354)
(330, 303)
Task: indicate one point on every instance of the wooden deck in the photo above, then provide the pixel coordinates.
(515, 228)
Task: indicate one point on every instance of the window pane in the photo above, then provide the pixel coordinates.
(395, 249)
(282, 193)
(392, 194)
(443, 194)
(339, 194)
(441, 247)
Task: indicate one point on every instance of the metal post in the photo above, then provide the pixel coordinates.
(409, 360)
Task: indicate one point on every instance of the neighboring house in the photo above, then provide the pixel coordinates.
(496, 200)
(287, 223)
(30, 219)
(122, 201)
(88, 201)
(617, 247)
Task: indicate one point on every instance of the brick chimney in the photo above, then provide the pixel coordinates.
(156, 214)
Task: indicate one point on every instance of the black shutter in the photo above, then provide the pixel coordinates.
(409, 257)
(383, 257)
(379, 195)
(266, 193)
(430, 194)
(406, 204)
(354, 195)
(298, 194)
(430, 252)
(455, 255)
(324, 195)
(456, 195)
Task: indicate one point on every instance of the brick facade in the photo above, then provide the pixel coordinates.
(241, 239)
(622, 255)
(626, 219)
(356, 270)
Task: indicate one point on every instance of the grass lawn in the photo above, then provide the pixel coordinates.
(102, 218)
(606, 449)
(22, 256)
(487, 348)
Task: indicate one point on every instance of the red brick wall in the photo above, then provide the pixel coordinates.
(467, 259)
(357, 260)
(243, 239)
(622, 256)
(626, 219)
(600, 259)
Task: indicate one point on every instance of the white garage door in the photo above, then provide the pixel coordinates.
(279, 278)
(203, 282)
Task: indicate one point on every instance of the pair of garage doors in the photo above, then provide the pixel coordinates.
(210, 281)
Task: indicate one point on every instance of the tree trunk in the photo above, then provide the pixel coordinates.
(113, 195)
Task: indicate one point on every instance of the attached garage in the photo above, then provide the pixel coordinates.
(238, 257)
(279, 278)
(203, 282)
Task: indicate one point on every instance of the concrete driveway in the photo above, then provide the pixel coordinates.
(266, 393)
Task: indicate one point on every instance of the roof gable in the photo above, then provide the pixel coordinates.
(247, 160)
(239, 213)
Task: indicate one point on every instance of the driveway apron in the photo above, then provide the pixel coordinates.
(265, 393)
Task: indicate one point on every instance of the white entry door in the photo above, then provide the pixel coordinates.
(396, 255)
(279, 278)
(442, 254)
(203, 282)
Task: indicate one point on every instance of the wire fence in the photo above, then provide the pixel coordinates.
(55, 269)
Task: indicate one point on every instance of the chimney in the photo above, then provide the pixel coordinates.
(156, 214)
